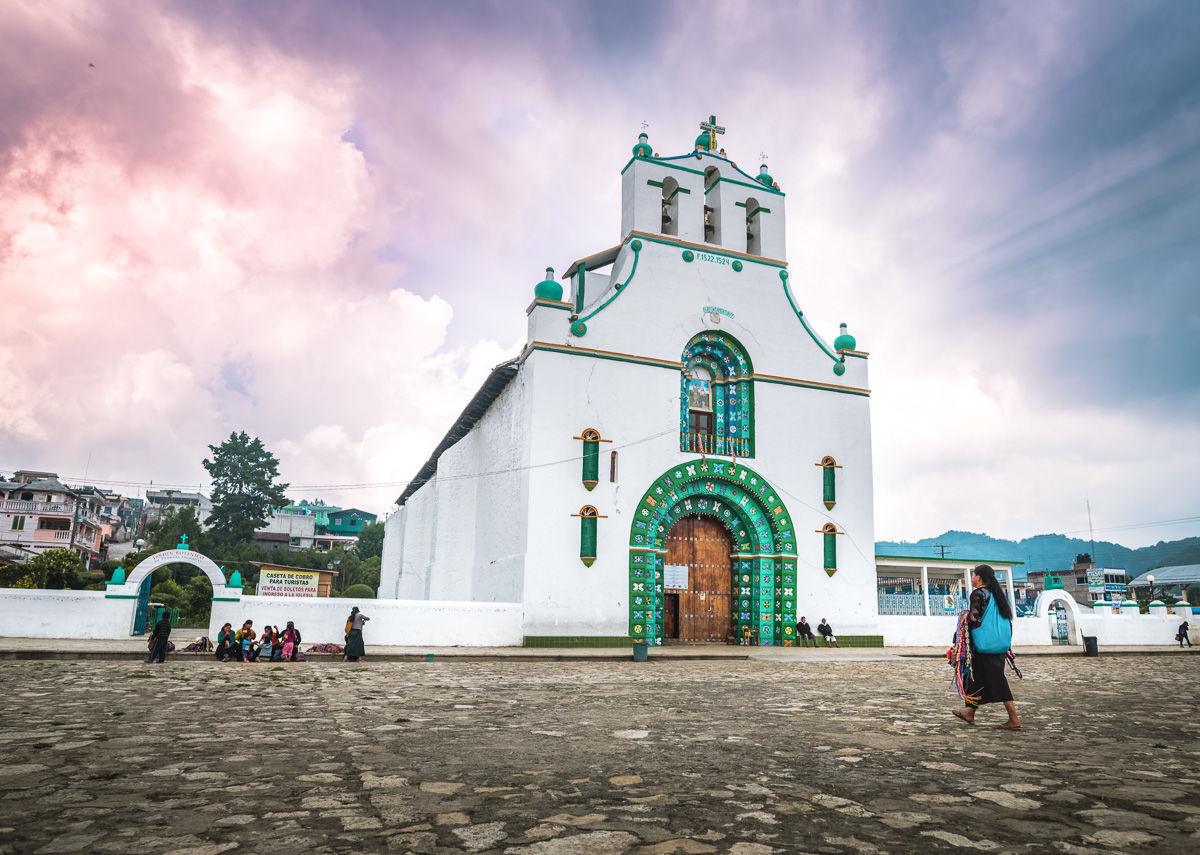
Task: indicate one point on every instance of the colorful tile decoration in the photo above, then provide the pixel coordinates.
(760, 528)
(732, 399)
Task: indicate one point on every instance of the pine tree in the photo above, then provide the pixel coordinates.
(244, 492)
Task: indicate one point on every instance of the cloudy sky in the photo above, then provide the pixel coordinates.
(321, 223)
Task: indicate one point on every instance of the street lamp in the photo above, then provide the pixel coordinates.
(1150, 579)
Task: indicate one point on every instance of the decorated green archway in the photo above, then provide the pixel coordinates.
(764, 544)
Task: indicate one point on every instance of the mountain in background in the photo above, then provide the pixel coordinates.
(1055, 552)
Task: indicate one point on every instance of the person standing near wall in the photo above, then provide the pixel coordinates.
(158, 638)
(1183, 634)
(355, 649)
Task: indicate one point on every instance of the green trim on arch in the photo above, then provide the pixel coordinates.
(763, 587)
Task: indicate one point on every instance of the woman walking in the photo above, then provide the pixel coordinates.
(354, 637)
(988, 623)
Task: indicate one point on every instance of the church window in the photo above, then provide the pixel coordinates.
(829, 469)
(670, 207)
(612, 467)
(829, 532)
(588, 515)
(591, 457)
(716, 397)
(753, 227)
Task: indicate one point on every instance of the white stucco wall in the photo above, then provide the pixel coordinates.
(426, 623)
(514, 537)
(40, 613)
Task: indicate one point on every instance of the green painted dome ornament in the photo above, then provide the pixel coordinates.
(642, 149)
(844, 341)
(765, 177)
(548, 289)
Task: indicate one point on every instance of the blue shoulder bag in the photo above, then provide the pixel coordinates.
(994, 634)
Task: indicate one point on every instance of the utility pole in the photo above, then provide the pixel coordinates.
(1091, 534)
(942, 546)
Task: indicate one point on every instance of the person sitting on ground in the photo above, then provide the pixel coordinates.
(224, 641)
(805, 632)
(245, 641)
(291, 642)
(826, 630)
(266, 643)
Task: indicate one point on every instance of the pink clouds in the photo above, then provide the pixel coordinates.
(181, 209)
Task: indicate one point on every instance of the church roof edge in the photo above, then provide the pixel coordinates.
(495, 383)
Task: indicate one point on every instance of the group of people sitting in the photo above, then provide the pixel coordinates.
(804, 631)
(246, 645)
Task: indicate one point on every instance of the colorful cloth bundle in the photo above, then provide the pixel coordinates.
(327, 647)
(959, 657)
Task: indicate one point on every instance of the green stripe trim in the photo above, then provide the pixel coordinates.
(759, 210)
(695, 247)
(549, 304)
(662, 163)
(120, 596)
(620, 287)
(679, 190)
(758, 185)
(799, 314)
(950, 560)
(675, 366)
(654, 183)
(807, 384)
(578, 641)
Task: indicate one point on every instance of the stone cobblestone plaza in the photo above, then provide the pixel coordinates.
(841, 755)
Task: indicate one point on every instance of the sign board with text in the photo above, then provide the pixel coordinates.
(675, 576)
(288, 583)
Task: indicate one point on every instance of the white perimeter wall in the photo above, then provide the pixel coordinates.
(425, 623)
(40, 613)
(915, 631)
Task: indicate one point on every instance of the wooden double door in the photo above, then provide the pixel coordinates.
(700, 608)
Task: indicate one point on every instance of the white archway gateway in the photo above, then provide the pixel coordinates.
(1048, 598)
(122, 587)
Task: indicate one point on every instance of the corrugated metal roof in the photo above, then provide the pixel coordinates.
(496, 383)
(1180, 574)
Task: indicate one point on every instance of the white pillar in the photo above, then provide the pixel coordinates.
(967, 585)
(925, 588)
(1008, 583)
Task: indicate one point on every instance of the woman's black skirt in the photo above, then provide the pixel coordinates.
(987, 679)
(355, 648)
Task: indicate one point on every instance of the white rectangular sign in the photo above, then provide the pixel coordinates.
(675, 576)
(288, 583)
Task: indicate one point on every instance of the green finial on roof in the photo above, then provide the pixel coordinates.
(844, 341)
(548, 289)
(642, 149)
(765, 177)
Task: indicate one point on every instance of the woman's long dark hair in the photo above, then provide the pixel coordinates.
(988, 575)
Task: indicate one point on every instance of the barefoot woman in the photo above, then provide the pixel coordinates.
(990, 614)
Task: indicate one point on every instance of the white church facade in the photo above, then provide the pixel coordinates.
(676, 455)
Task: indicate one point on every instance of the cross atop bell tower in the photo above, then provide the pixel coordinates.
(713, 129)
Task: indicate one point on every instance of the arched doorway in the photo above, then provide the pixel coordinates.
(698, 582)
(137, 584)
(1049, 605)
(762, 538)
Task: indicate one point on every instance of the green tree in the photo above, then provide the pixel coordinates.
(60, 568)
(244, 490)
(370, 540)
(359, 592)
(21, 576)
